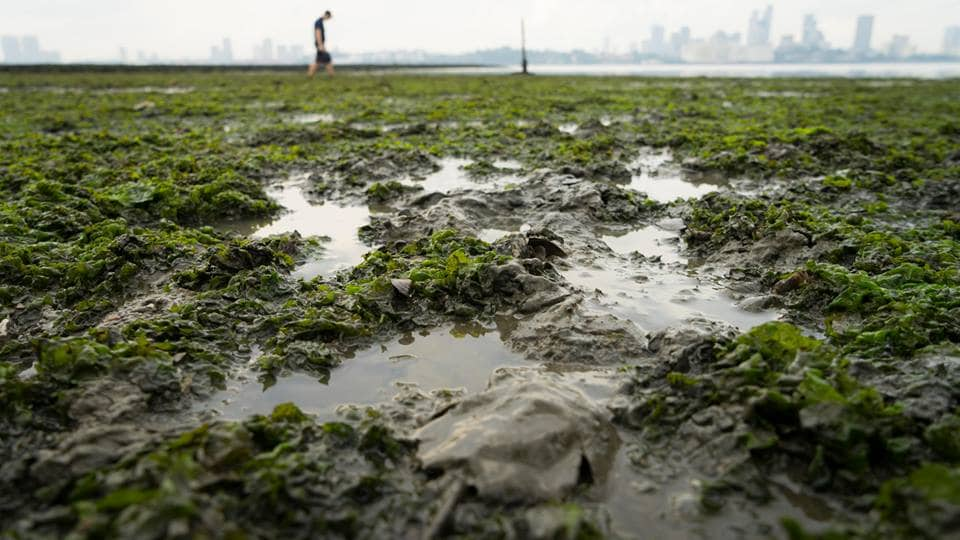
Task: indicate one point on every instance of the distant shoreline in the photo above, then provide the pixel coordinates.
(108, 68)
(860, 70)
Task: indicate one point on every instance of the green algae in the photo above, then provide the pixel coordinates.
(106, 195)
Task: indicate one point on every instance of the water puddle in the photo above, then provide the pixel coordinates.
(458, 356)
(607, 121)
(665, 183)
(164, 90)
(651, 241)
(668, 505)
(508, 164)
(785, 94)
(492, 235)
(650, 284)
(452, 178)
(374, 126)
(313, 118)
(338, 224)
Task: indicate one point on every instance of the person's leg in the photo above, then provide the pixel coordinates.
(312, 70)
(330, 69)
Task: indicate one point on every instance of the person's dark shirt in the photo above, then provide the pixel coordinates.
(323, 34)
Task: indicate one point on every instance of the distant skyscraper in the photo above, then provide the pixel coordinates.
(900, 47)
(656, 45)
(758, 32)
(26, 50)
(951, 41)
(11, 50)
(222, 54)
(678, 40)
(264, 52)
(227, 50)
(812, 36)
(861, 44)
(30, 49)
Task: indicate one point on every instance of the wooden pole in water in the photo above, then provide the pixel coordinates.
(523, 44)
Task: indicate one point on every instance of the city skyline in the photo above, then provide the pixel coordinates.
(751, 41)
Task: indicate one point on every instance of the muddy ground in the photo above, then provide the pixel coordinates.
(247, 305)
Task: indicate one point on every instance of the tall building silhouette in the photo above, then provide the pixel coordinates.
(812, 36)
(861, 43)
(900, 47)
(758, 33)
(222, 54)
(264, 52)
(26, 50)
(11, 50)
(657, 44)
(678, 40)
(951, 41)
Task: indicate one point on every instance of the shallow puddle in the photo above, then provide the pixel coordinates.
(658, 299)
(313, 118)
(339, 224)
(492, 235)
(658, 290)
(165, 90)
(665, 183)
(452, 178)
(445, 358)
(671, 509)
(650, 241)
(509, 164)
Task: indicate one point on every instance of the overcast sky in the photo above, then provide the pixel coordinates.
(95, 29)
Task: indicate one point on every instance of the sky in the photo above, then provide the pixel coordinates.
(186, 29)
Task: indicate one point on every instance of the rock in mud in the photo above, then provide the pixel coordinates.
(539, 244)
(566, 334)
(528, 437)
(402, 286)
(784, 245)
(692, 343)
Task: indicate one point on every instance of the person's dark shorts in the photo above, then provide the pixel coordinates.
(323, 57)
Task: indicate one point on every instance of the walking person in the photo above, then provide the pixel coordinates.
(320, 40)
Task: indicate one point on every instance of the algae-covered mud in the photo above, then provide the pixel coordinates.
(246, 305)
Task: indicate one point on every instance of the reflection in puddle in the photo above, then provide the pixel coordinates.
(651, 241)
(657, 293)
(664, 183)
(452, 357)
(339, 224)
(452, 178)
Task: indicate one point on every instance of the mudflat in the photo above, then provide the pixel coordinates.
(243, 304)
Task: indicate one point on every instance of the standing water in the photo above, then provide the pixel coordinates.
(338, 225)
(445, 358)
